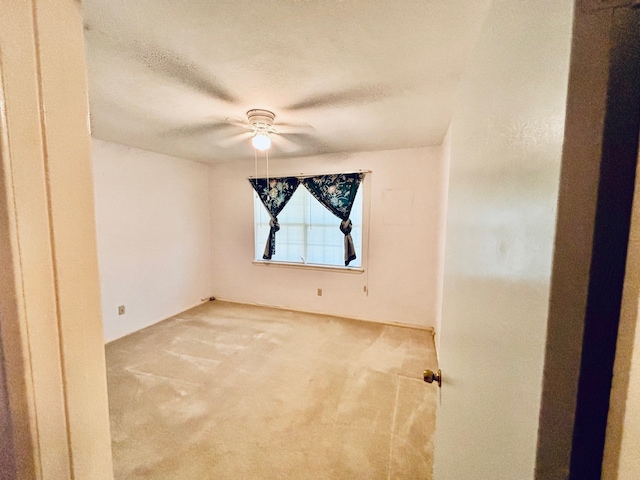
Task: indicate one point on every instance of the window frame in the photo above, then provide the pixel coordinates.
(366, 223)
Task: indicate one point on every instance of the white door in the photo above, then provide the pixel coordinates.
(506, 140)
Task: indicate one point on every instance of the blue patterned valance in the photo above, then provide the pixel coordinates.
(336, 192)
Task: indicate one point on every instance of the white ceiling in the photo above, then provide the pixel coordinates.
(340, 75)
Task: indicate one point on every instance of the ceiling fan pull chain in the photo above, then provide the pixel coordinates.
(255, 161)
(273, 192)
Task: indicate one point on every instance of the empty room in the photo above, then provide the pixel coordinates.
(327, 382)
(312, 239)
(357, 97)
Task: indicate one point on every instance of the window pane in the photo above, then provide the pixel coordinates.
(309, 233)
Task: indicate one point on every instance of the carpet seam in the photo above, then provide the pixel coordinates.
(393, 427)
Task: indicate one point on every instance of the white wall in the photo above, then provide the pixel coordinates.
(404, 268)
(506, 140)
(154, 239)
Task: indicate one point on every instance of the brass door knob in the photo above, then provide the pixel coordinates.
(430, 377)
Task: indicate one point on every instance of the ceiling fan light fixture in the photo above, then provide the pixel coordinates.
(262, 122)
(261, 141)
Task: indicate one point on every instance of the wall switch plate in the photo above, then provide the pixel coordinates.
(319, 292)
(121, 310)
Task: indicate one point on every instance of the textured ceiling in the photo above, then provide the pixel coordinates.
(341, 76)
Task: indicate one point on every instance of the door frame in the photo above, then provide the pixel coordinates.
(597, 181)
(51, 326)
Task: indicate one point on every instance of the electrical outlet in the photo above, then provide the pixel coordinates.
(319, 292)
(121, 310)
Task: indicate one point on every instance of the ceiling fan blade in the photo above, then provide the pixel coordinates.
(285, 145)
(292, 127)
(355, 95)
(199, 129)
(238, 122)
(304, 140)
(183, 70)
(234, 139)
(168, 63)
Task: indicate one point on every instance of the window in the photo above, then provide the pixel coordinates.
(309, 233)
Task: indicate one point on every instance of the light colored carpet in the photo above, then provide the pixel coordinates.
(229, 391)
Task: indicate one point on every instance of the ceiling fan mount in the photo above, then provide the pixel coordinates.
(260, 118)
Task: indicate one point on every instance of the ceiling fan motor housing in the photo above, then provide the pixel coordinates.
(261, 118)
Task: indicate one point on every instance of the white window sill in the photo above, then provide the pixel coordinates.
(309, 266)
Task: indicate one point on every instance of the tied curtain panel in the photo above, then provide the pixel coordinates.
(274, 193)
(336, 192)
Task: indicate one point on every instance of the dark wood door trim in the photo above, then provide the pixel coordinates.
(611, 237)
(594, 211)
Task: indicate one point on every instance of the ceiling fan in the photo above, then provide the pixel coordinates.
(287, 137)
(259, 127)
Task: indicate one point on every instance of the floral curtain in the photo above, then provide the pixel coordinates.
(274, 194)
(337, 193)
